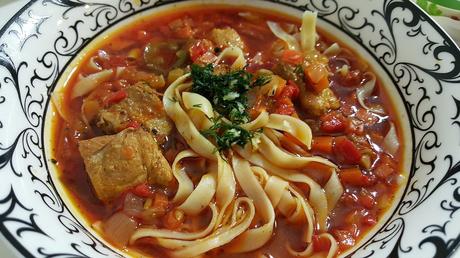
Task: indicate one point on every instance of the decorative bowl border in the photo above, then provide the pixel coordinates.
(425, 221)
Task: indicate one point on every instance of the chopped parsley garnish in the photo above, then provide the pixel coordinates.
(262, 80)
(226, 92)
(298, 70)
(225, 134)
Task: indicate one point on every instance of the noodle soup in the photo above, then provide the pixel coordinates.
(227, 132)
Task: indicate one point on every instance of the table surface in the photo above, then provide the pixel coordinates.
(10, 7)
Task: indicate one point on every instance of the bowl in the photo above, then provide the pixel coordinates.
(416, 60)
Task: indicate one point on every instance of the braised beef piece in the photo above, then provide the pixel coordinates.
(118, 162)
(141, 107)
(227, 37)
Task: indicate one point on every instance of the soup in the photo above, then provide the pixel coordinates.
(227, 132)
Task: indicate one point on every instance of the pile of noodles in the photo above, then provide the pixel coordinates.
(264, 171)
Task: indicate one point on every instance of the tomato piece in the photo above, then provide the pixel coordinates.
(199, 48)
(293, 57)
(321, 85)
(283, 100)
(369, 220)
(115, 97)
(323, 144)
(354, 177)
(384, 168)
(366, 200)
(291, 90)
(333, 122)
(346, 151)
(320, 244)
(344, 238)
(284, 107)
(143, 190)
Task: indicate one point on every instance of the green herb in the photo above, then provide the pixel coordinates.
(226, 92)
(298, 69)
(262, 80)
(226, 135)
(197, 105)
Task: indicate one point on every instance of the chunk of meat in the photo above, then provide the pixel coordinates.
(142, 106)
(318, 104)
(118, 162)
(226, 37)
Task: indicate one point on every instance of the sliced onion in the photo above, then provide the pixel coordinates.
(87, 84)
(133, 205)
(365, 92)
(280, 33)
(332, 50)
(93, 66)
(391, 141)
(119, 228)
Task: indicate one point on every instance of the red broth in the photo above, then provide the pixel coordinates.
(368, 192)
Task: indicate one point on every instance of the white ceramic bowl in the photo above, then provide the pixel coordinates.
(417, 62)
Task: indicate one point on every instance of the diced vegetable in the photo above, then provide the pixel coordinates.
(199, 48)
(318, 104)
(346, 151)
(344, 238)
(293, 57)
(391, 141)
(366, 200)
(133, 205)
(323, 144)
(174, 219)
(354, 177)
(333, 122)
(143, 190)
(119, 228)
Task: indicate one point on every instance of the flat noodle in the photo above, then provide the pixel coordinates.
(308, 31)
(196, 101)
(283, 159)
(317, 196)
(200, 198)
(184, 124)
(334, 190)
(226, 186)
(260, 121)
(296, 127)
(240, 61)
(253, 238)
(199, 109)
(185, 185)
(164, 233)
(241, 222)
(308, 252)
